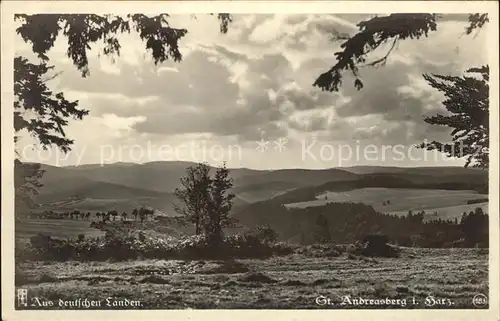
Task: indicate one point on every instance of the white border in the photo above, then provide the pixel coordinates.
(8, 34)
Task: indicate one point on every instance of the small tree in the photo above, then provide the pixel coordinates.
(206, 201)
(135, 213)
(194, 194)
(322, 233)
(124, 216)
(142, 214)
(219, 205)
(475, 226)
(98, 215)
(114, 214)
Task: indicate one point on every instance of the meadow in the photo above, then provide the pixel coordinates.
(448, 204)
(450, 276)
(58, 228)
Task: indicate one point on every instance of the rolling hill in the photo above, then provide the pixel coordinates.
(420, 189)
(123, 186)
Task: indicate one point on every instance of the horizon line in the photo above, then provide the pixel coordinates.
(257, 169)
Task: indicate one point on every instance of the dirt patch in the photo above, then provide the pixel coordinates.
(155, 279)
(227, 267)
(293, 283)
(47, 278)
(320, 282)
(257, 277)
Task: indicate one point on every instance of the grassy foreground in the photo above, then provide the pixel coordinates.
(435, 278)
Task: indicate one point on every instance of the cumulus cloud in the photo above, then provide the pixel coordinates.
(256, 81)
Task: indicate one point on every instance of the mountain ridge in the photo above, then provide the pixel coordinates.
(156, 181)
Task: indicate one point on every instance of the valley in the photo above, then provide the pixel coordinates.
(274, 197)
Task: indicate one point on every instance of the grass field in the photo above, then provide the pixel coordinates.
(291, 282)
(403, 200)
(67, 228)
(64, 228)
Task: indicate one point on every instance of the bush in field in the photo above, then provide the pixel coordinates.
(249, 245)
(374, 245)
(40, 241)
(124, 245)
(262, 233)
(321, 250)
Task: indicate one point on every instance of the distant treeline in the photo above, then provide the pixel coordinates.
(348, 222)
(477, 201)
(141, 214)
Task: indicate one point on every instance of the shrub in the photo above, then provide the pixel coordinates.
(47, 278)
(40, 241)
(249, 245)
(263, 233)
(120, 244)
(322, 250)
(373, 246)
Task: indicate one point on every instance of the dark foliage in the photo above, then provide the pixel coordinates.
(51, 110)
(82, 31)
(123, 244)
(374, 33)
(194, 194)
(219, 205)
(467, 97)
(467, 101)
(206, 201)
(377, 245)
(350, 222)
(477, 201)
(26, 183)
(475, 227)
(262, 233)
(476, 21)
(322, 232)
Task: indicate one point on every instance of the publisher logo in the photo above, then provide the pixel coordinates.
(480, 300)
(22, 297)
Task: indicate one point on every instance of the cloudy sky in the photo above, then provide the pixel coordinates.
(246, 97)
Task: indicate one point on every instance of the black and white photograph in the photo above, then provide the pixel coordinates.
(250, 160)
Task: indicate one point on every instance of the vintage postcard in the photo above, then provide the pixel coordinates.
(243, 160)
